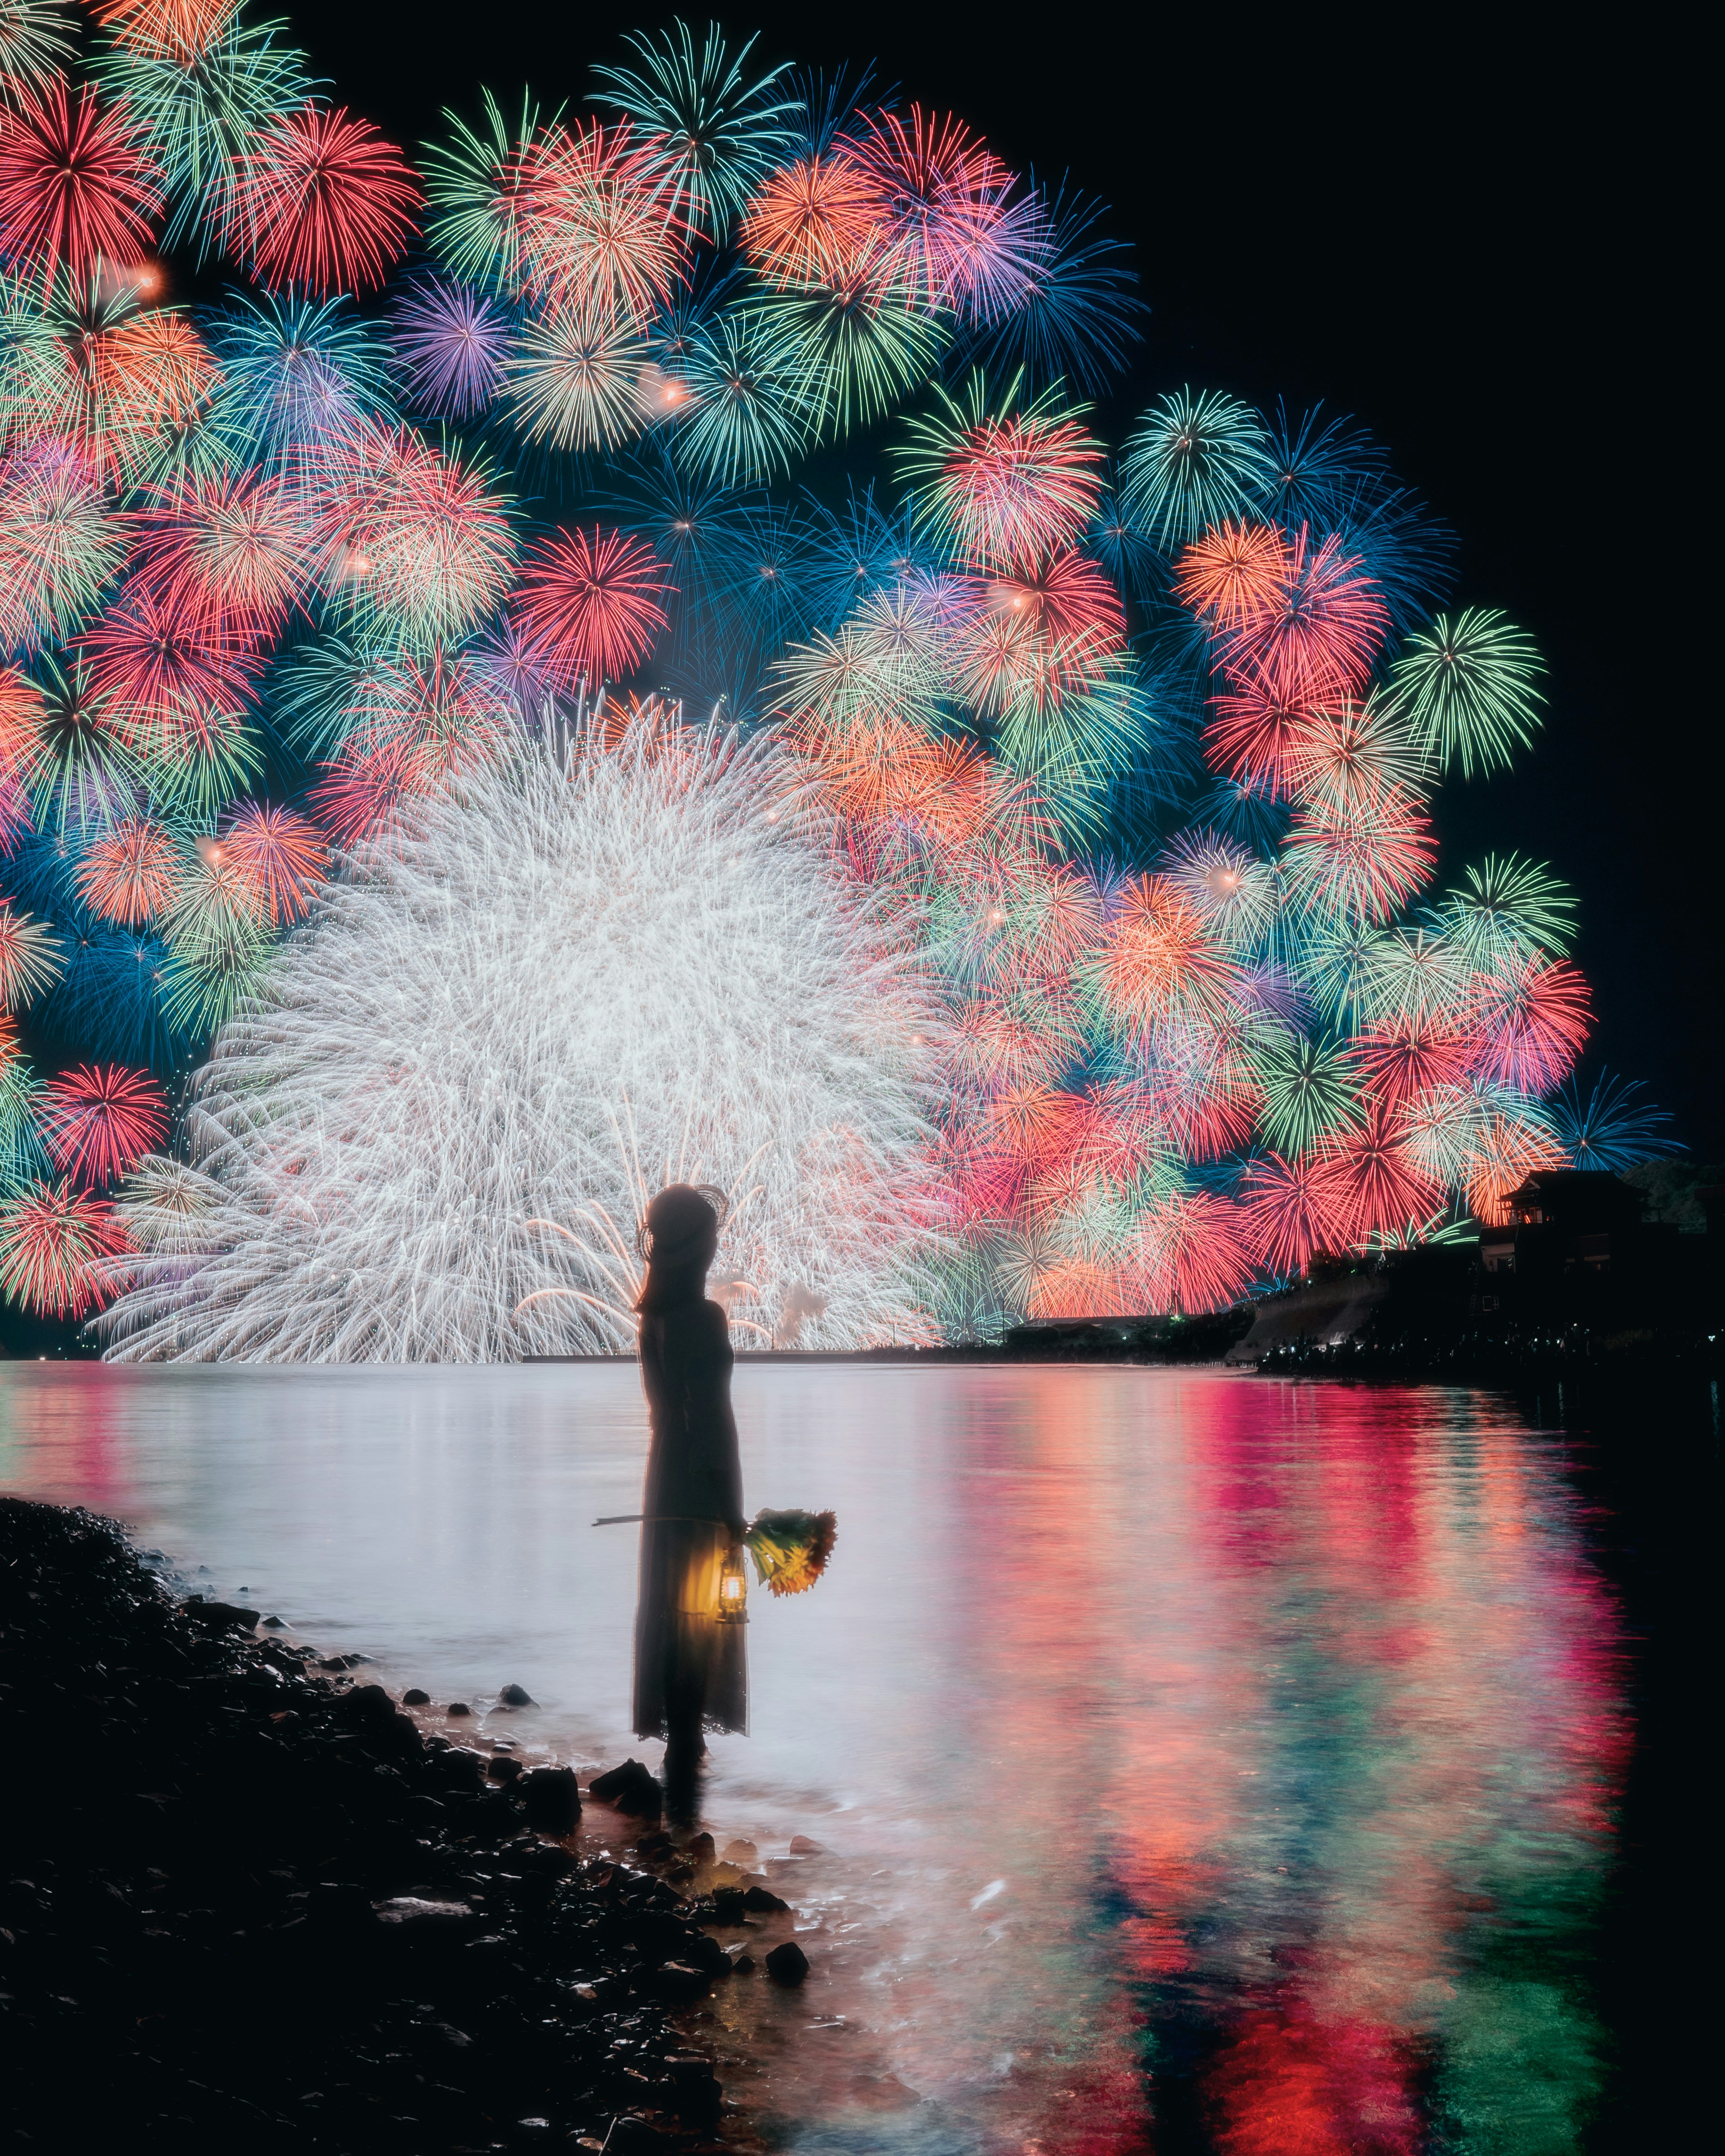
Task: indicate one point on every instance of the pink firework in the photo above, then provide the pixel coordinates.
(1257, 736)
(77, 187)
(1317, 642)
(1013, 492)
(1409, 1055)
(1205, 1092)
(282, 857)
(20, 719)
(1192, 1254)
(1359, 862)
(1370, 1183)
(1288, 1212)
(52, 1242)
(1531, 1017)
(590, 605)
(126, 877)
(171, 682)
(323, 202)
(235, 545)
(943, 204)
(99, 1119)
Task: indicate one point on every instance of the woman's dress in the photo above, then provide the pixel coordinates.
(687, 1663)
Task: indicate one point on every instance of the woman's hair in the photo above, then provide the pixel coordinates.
(675, 1236)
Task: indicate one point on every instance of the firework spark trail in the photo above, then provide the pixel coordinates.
(412, 1151)
(1136, 754)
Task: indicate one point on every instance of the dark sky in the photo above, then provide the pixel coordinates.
(1473, 231)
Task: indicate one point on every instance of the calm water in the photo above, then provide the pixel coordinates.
(1200, 1761)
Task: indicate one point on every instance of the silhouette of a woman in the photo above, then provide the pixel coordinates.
(691, 1672)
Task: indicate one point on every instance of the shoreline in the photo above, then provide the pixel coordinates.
(253, 1888)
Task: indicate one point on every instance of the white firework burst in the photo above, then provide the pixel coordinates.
(570, 976)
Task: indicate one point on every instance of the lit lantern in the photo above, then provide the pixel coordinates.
(733, 1591)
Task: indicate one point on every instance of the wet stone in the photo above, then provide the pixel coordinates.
(413, 1697)
(787, 1963)
(514, 1695)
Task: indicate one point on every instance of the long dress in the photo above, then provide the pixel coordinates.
(687, 1663)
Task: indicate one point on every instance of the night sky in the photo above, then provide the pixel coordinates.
(1476, 235)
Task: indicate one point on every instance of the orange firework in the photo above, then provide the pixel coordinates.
(125, 877)
(283, 856)
(813, 221)
(1235, 575)
(1158, 961)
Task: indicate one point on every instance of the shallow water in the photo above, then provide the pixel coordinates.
(1200, 1761)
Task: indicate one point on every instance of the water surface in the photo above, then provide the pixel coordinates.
(1200, 1761)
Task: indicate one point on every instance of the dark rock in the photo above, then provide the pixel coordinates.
(553, 1799)
(366, 1706)
(273, 1624)
(729, 1906)
(787, 1963)
(801, 1845)
(631, 1789)
(698, 1849)
(514, 1695)
(743, 1965)
(457, 1706)
(413, 1697)
(503, 1768)
(678, 1981)
(219, 1616)
(760, 1901)
(340, 1661)
(334, 1907)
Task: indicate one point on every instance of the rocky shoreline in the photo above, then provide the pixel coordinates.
(249, 1897)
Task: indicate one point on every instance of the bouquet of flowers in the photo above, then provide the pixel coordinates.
(791, 1549)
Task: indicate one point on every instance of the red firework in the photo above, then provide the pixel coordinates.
(126, 877)
(77, 188)
(1288, 1212)
(1014, 491)
(323, 202)
(1158, 961)
(1235, 576)
(100, 1120)
(53, 1240)
(1531, 1017)
(1256, 736)
(1409, 1055)
(1193, 1253)
(1317, 642)
(944, 196)
(589, 605)
(170, 681)
(1369, 1184)
(361, 785)
(231, 544)
(282, 857)
(815, 220)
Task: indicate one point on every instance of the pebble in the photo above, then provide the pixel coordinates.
(413, 1697)
(787, 1963)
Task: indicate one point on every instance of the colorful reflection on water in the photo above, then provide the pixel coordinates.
(1198, 1760)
